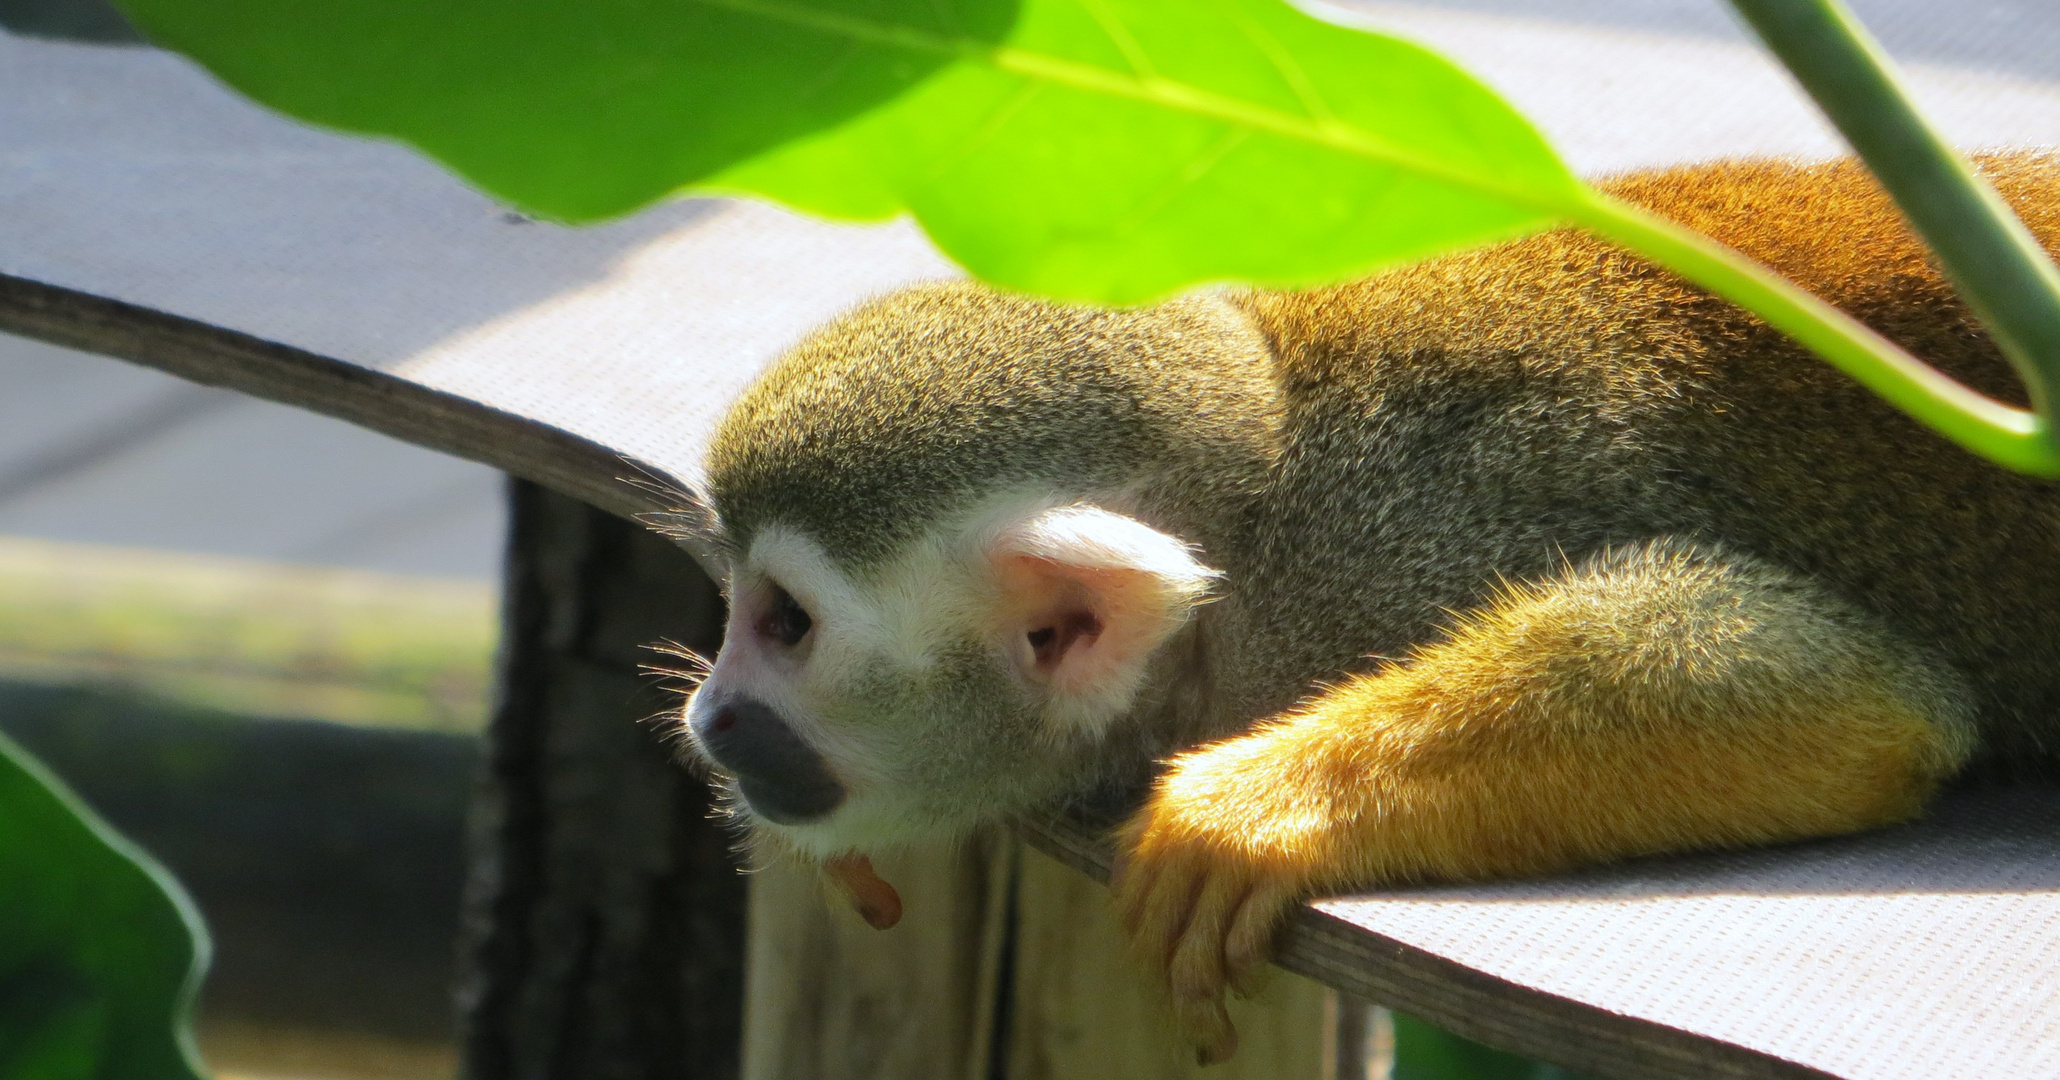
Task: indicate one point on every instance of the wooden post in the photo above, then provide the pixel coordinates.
(1007, 965)
(604, 924)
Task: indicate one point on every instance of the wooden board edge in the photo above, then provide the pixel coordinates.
(1479, 1006)
(215, 356)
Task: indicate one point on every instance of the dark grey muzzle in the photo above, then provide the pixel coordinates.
(782, 777)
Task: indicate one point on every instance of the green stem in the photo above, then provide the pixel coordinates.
(2011, 437)
(1994, 261)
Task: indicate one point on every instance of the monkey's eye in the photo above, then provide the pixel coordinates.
(787, 622)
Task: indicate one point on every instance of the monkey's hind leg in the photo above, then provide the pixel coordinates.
(1661, 698)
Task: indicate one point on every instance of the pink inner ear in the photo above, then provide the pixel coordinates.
(1075, 619)
(1086, 596)
(1061, 634)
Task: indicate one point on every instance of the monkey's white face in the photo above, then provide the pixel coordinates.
(942, 687)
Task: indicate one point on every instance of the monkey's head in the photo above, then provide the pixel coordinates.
(964, 533)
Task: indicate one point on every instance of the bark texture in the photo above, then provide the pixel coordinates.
(604, 919)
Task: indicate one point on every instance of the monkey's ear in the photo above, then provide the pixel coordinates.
(1088, 595)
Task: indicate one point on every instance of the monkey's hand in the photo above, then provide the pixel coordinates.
(1234, 835)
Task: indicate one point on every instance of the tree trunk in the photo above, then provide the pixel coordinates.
(604, 917)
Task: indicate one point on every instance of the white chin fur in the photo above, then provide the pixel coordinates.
(866, 826)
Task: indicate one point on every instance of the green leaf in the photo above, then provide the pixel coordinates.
(575, 109)
(1101, 149)
(1116, 150)
(100, 950)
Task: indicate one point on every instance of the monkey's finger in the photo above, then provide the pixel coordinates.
(1128, 838)
(1197, 968)
(1134, 894)
(1249, 943)
(1134, 888)
(1206, 1023)
(1157, 902)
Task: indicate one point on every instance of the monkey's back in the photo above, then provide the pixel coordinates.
(1494, 414)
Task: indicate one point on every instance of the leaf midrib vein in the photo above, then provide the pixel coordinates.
(1153, 89)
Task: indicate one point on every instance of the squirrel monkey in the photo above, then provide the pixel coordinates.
(1520, 559)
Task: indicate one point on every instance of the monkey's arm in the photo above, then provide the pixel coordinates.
(1659, 699)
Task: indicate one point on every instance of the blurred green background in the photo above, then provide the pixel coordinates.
(297, 745)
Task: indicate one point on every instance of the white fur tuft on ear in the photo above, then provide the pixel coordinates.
(1093, 538)
(1089, 596)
